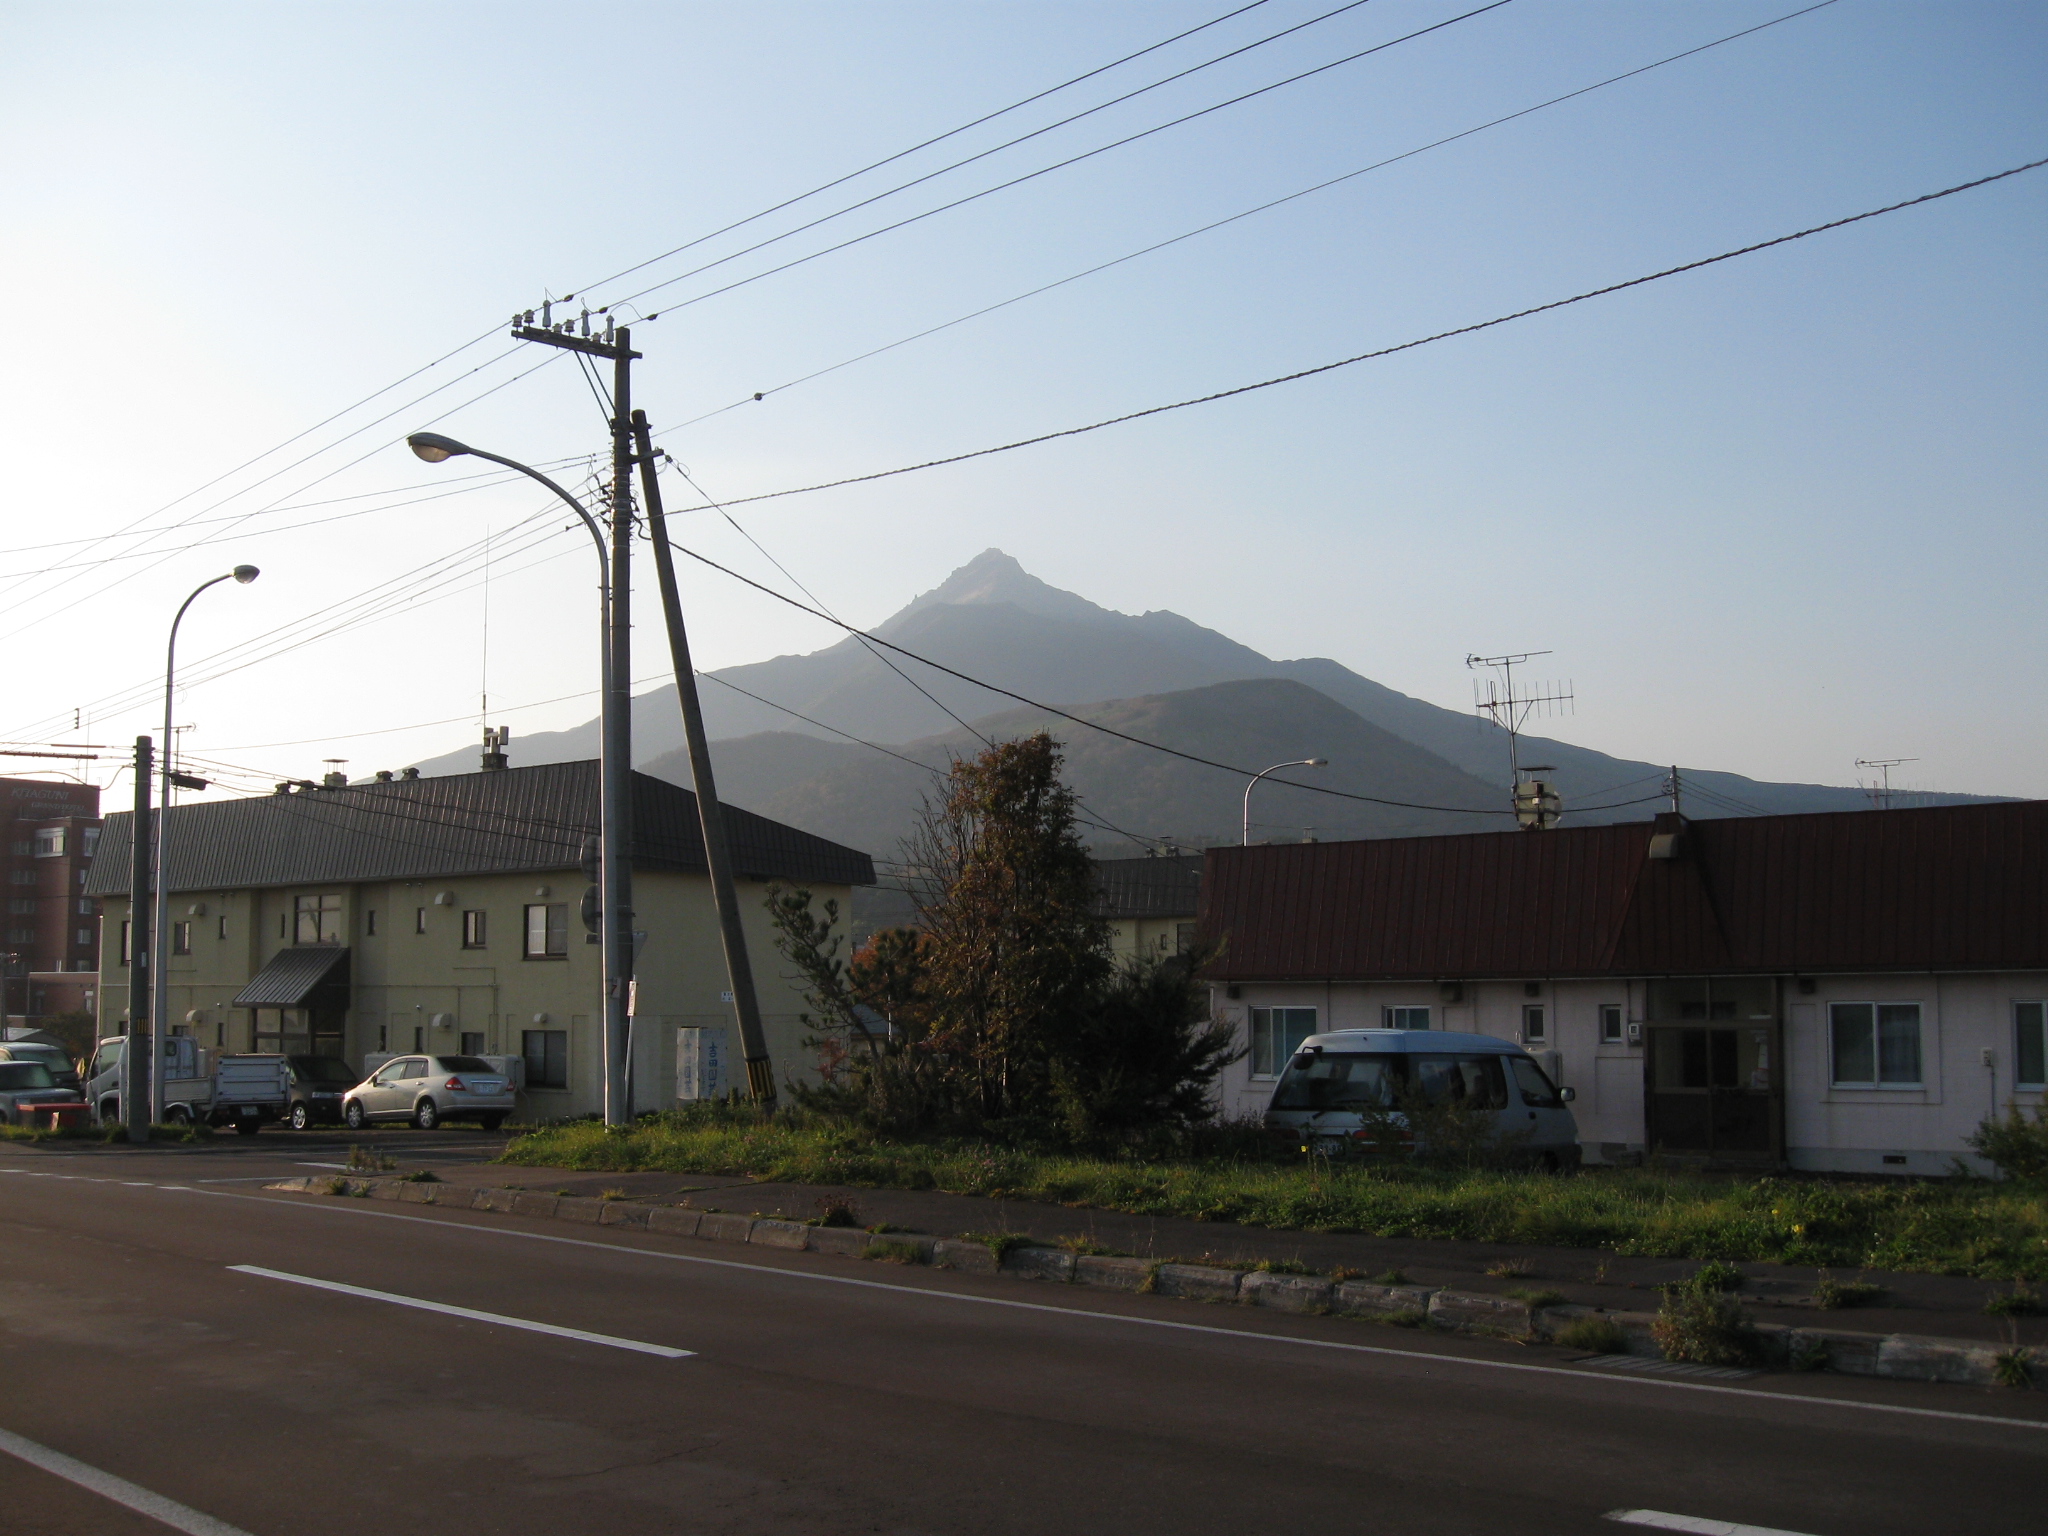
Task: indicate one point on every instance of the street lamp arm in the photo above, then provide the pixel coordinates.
(433, 448)
(1299, 762)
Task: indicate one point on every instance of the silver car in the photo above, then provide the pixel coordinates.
(428, 1090)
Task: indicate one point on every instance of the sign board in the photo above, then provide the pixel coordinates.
(701, 1055)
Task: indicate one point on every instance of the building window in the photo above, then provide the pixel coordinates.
(181, 938)
(383, 1035)
(91, 841)
(85, 906)
(1610, 1023)
(85, 938)
(223, 933)
(472, 930)
(127, 949)
(22, 877)
(1404, 1018)
(547, 1058)
(419, 920)
(317, 918)
(2030, 1044)
(1277, 1034)
(23, 848)
(1535, 1024)
(49, 842)
(472, 1042)
(370, 923)
(1876, 1045)
(1183, 938)
(22, 906)
(547, 931)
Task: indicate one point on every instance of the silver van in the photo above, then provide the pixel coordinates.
(1343, 1091)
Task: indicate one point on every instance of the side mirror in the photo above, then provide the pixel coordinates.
(1567, 1094)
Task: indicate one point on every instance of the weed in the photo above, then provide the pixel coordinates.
(2014, 1367)
(1702, 1324)
(1150, 1283)
(1343, 1272)
(362, 1160)
(2017, 1302)
(1510, 1269)
(1716, 1275)
(1595, 1335)
(1811, 1355)
(613, 1194)
(1084, 1247)
(1282, 1267)
(997, 1243)
(881, 1227)
(1414, 1318)
(1536, 1299)
(838, 1211)
(890, 1251)
(427, 1176)
(1391, 1277)
(563, 1193)
(1831, 1295)
(337, 1185)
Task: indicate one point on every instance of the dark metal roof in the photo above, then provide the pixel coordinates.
(1170, 886)
(1939, 888)
(512, 821)
(294, 975)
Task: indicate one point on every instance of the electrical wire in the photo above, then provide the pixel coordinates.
(1388, 351)
(1322, 186)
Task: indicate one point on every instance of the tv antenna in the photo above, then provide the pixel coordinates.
(1510, 706)
(1881, 792)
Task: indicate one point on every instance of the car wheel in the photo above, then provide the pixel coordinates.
(1548, 1163)
(426, 1115)
(490, 1122)
(178, 1114)
(301, 1116)
(353, 1115)
(248, 1127)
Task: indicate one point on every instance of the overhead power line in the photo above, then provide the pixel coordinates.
(1377, 352)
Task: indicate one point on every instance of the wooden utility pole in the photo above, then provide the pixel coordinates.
(136, 1064)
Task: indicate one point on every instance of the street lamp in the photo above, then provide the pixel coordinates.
(1300, 762)
(615, 873)
(160, 970)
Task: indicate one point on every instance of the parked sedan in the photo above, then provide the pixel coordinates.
(25, 1084)
(428, 1090)
(318, 1084)
(63, 1070)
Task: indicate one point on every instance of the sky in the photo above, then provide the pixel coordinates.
(1770, 517)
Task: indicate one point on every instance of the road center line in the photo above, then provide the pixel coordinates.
(469, 1312)
(1691, 1524)
(117, 1490)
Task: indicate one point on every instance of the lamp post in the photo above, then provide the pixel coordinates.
(615, 876)
(1300, 762)
(160, 970)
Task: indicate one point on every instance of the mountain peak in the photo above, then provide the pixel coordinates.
(995, 577)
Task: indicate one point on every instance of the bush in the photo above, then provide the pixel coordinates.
(1702, 1324)
(2016, 1145)
(1595, 1335)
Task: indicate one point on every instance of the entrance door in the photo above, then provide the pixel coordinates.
(1711, 1089)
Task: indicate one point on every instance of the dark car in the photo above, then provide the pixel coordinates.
(318, 1083)
(63, 1071)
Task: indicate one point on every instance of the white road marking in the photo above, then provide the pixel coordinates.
(469, 1312)
(342, 1166)
(1691, 1524)
(117, 1490)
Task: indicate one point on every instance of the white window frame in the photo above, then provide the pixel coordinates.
(2038, 1027)
(1257, 1019)
(1879, 1084)
(1540, 1014)
(1617, 1015)
(1391, 1011)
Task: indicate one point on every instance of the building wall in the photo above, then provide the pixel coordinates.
(46, 921)
(402, 978)
(1131, 938)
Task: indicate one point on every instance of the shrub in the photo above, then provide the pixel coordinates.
(1702, 1324)
(2014, 1368)
(2017, 1302)
(2016, 1145)
(1595, 1335)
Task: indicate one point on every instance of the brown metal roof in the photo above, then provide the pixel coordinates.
(1940, 888)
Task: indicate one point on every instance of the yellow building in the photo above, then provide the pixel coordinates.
(444, 914)
(1150, 903)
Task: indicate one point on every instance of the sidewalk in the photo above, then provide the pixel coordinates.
(1941, 1305)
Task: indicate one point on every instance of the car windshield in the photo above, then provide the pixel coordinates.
(466, 1064)
(1357, 1080)
(48, 1055)
(18, 1075)
(325, 1071)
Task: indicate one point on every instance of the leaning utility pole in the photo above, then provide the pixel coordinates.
(616, 859)
(136, 1064)
(710, 817)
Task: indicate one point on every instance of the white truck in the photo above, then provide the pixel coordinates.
(201, 1087)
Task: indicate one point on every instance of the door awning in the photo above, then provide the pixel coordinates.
(295, 975)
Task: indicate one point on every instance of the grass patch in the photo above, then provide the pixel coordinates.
(1832, 1295)
(1391, 1277)
(1535, 1299)
(1595, 1335)
(1981, 1228)
(1413, 1318)
(424, 1176)
(2017, 1302)
(107, 1135)
(2014, 1368)
(889, 1250)
(998, 1243)
(362, 1160)
(1510, 1269)
(613, 1194)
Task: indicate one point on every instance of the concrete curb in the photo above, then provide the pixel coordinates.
(1898, 1356)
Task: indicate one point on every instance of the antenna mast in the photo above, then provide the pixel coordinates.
(1881, 793)
(1498, 699)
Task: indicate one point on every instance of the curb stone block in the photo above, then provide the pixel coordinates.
(898, 1247)
(579, 1208)
(673, 1220)
(1112, 1274)
(526, 1202)
(723, 1228)
(495, 1200)
(1039, 1264)
(1916, 1357)
(1198, 1282)
(779, 1234)
(1363, 1298)
(384, 1189)
(1478, 1312)
(1307, 1294)
(621, 1213)
(847, 1242)
(417, 1194)
(966, 1256)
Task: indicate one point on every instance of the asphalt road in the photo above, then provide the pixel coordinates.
(820, 1395)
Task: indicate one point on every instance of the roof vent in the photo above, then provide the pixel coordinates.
(408, 773)
(383, 775)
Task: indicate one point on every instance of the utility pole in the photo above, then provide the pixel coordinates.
(1675, 789)
(136, 1065)
(710, 817)
(615, 881)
